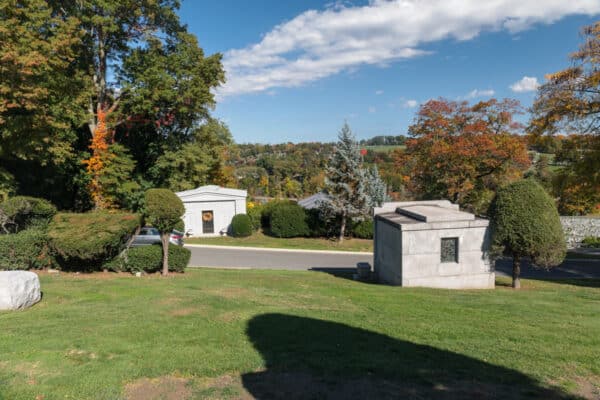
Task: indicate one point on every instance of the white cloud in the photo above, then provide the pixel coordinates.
(378, 92)
(526, 84)
(410, 103)
(372, 110)
(479, 93)
(317, 44)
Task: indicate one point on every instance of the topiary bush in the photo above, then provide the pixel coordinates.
(364, 229)
(21, 212)
(86, 241)
(163, 210)
(241, 226)
(150, 259)
(525, 223)
(288, 220)
(27, 249)
(179, 226)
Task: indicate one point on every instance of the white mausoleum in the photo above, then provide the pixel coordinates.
(210, 209)
(432, 244)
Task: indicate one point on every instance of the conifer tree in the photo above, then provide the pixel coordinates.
(345, 182)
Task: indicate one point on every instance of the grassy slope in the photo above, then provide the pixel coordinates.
(260, 240)
(90, 336)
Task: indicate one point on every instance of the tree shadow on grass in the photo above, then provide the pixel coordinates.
(314, 359)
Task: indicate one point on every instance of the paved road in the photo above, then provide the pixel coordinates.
(239, 257)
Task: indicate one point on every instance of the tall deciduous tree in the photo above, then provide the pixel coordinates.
(345, 182)
(199, 162)
(464, 152)
(570, 102)
(42, 88)
(144, 69)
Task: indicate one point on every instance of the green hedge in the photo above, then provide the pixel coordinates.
(591, 241)
(288, 220)
(27, 249)
(267, 210)
(241, 226)
(25, 212)
(255, 214)
(363, 229)
(86, 241)
(149, 259)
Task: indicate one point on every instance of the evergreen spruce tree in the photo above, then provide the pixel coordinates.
(376, 188)
(345, 182)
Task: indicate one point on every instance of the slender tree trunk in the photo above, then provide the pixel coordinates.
(165, 246)
(342, 228)
(516, 283)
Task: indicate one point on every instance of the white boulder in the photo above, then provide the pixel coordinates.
(18, 289)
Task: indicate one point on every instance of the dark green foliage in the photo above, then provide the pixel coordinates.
(179, 226)
(163, 209)
(288, 220)
(316, 226)
(27, 249)
(267, 210)
(363, 229)
(241, 226)
(255, 214)
(591, 241)
(85, 241)
(525, 223)
(149, 259)
(22, 212)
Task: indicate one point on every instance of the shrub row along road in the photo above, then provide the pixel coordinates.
(239, 257)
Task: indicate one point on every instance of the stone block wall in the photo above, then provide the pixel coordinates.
(578, 228)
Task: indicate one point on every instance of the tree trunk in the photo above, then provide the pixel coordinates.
(165, 246)
(516, 283)
(342, 228)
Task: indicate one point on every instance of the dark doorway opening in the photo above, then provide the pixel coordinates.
(208, 222)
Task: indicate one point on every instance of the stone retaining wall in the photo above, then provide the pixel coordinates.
(578, 228)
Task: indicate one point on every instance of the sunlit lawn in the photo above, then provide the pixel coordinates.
(259, 239)
(282, 334)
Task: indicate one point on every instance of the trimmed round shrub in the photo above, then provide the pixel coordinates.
(267, 210)
(86, 241)
(149, 259)
(525, 223)
(179, 226)
(288, 220)
(163, 209)
(22, 212)
(27, 249)
(241, 226)
(363, 229)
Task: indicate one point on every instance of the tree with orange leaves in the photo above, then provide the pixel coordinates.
(569, 102)
(463, 152)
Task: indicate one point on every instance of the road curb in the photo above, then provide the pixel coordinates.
(266, 249)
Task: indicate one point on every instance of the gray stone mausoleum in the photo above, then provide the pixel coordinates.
(432, 244)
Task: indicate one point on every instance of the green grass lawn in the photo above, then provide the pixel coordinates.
(260, 240)
(223, 334)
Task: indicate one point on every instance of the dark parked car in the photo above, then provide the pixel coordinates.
(149, 235)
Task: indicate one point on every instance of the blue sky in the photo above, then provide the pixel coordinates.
(298, 69)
